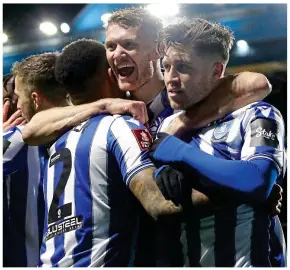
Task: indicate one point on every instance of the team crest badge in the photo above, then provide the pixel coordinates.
(221, 132)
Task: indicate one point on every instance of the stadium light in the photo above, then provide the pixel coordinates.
(48, 28)
(243, 48)
(163, 10)
(105, 17)
(4, 38)
(242, 44)
(64, 27)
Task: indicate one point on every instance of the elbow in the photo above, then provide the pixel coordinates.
(263, 84)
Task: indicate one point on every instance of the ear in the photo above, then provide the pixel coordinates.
(218, 70)
(36, 100)
(155, 55)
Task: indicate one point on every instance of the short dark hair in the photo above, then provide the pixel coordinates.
(36, 72)
(205, 37)
(137, 16)
(80, 64)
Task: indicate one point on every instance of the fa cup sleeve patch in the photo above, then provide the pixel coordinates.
(143, 138)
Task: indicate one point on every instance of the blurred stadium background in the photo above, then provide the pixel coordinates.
(260, 31)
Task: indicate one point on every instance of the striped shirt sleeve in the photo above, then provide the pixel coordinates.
(14, 150)
(129, 141)
(264, 136)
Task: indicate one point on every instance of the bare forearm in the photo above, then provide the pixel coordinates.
(147, 192)
(46, 126)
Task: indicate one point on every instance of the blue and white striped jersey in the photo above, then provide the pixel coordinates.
(22, 170)
(238, 235)
(89, 210)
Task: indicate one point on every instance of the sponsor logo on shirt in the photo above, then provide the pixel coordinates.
(143, 138)
(64, 226)
(267, 135)
(265, 132)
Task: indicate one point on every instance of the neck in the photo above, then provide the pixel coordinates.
(152, 88)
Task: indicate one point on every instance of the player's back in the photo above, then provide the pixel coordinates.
(89, 218)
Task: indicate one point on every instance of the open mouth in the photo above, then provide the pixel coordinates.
(125, 71)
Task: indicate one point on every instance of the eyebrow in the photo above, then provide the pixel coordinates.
(134, 39)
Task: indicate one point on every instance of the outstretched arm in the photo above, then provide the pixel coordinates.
(234, 92)
(46, 126)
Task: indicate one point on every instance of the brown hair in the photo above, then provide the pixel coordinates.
(134, 17)
(205, 37)
(36, 72)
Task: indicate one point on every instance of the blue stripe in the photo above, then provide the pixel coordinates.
(17, 162)
(122, 209)
(260, 238)
(83, 194)
(114, 147)
(190, 240)
(43, 245)
(43, 156)
(225, 226)
(18, 204)
(59, 252)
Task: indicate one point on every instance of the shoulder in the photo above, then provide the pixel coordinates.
(263, 110)
(167, 121)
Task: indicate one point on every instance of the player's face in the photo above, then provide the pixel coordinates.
(188, 78)
(25, 103)
(130, 53)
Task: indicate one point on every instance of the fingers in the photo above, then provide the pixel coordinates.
(14, 116)
(138, 110)
(23, 123)
(18, 121)
(6, 108)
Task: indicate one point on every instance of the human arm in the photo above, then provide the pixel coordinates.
(149, 195)
(221, 172)
(233, 92)
(128, 141)
(46, 126)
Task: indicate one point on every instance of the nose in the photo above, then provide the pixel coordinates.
(119, 53)
(171, 76)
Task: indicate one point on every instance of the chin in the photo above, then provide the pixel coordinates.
(127, 87)
(176, 106)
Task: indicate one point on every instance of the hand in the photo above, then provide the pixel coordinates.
(135, 108)
(14, 120)
(274, 201)
(172, 184)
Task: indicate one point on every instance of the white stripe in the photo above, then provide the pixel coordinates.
(99, 183)
(46, 257)
(205, 143)
(16, 145)
(128, 144)
(31, 223)
(70, 241)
